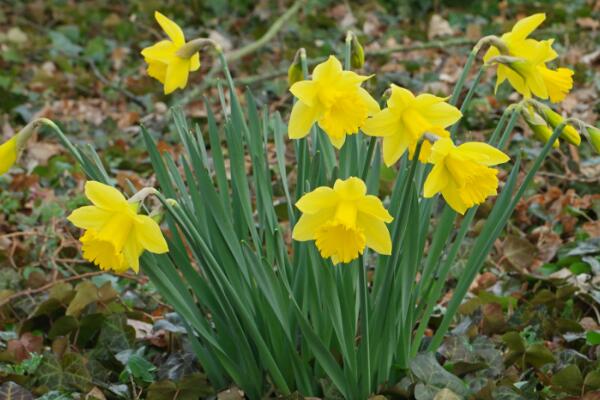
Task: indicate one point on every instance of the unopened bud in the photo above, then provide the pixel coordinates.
(569, 133)
(295, 73)
(541, 130)
(357, 58)
(594, 137)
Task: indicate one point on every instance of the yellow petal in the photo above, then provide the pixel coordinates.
(377, 234)
(157, 70)
(483, 153)
(436, 181)
(337, 142)
(452, 196)
(372, 206)
(371, 103)
(178, 71)
(307, 225)
(436, 111)
(394, 147)
(131, 254)
(525, 26)
(440, 149)
(105, 196)
(490, 53)
(400, 97)
(559, 83)
(163, 51)
(149, 235)
(328, 70)
(306, 91)
(302, 119)
(195, 62)
(352, 188)
(8, 154)
(171, 29)
(383, 123)
(317, 200)
(89, 217)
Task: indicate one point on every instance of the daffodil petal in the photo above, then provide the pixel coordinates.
(383, 123)
(89, 217)
(157, 70)
(436, 111)
(149, 235)
(105, 196)
(436, 181)
(306, 91)
(394, 147)
(302, 119)
(484, 153)
(352, 188)
(8, 155)
(371, 103)
(317, 200)
(328, 70)
(307, 225)
(400, 97)
(178, 71)
(195, 62)
(377, 234)
(372, 206)
(525, 26)
(171, 29)
(163, 51)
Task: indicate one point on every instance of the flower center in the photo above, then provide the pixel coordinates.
(341, 242)
(345, 112)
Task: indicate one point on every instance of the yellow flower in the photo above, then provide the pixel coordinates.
(530, 75)
(462, 173)
(334, 100)
(8, 154)
(343, 221)
(163, 62)
(406, 119)
(569, 133)
(116, 235)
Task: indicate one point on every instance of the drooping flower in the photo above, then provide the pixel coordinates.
(8, 154)
(343, 220)
(529, 74)
(462, 173)
(333, 99)
(115, 233)
(569, 133)
(164, 61)
(406, 119)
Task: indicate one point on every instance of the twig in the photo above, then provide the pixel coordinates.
(118, 88)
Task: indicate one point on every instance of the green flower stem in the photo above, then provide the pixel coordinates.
(501, 123)
(367, 163)
(463, 76)
(509, 127)
(366, 315)
(348, 50)
(468, 98)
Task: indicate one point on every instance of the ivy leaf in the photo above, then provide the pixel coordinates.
(427, 370)
(12, 391)
(68, 373)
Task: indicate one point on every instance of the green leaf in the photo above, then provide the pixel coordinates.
(139, 368)
(514, 341)
(63, 326)
(568, 379)
(191, 387)
(427, 370)
(12, 391)
(86, 294)
(538, 355)
(592, 380)
(68, 373)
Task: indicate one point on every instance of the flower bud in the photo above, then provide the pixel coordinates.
(538, 125)
(8, 155)
(594, 137)
(357, 54)
(569, 133)
(295, 73)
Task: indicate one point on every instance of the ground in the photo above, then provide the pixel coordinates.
(78, 63)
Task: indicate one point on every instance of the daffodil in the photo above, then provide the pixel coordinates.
(462, 173)
(115, 233)
(8, 154)
(528, 74)
(405, 120)
(165, 60)
(569, 133)
(333, 99)
(343, 220)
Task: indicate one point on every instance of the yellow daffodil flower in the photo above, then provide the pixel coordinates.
(462, 173)
(406, 119)
(569, 133)
(343, 220)
(164, 62)
(115, 234)
(334, 100)
(529, 74)
(8, 154)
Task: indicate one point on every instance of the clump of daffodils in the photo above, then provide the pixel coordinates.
(524, 63)
(116, 234)
(343, 221)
